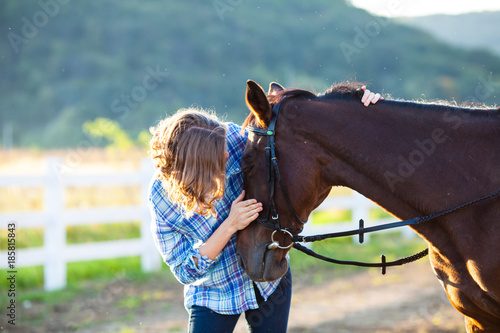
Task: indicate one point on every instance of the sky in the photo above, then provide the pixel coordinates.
(394, 8)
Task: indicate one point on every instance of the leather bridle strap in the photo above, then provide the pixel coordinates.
(383, 264)
(273, 175)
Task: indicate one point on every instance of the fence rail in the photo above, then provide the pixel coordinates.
(360, 208)
(55, 217)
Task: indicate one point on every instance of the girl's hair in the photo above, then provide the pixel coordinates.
(188, 152)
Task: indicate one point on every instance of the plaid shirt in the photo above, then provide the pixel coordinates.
(221, 284)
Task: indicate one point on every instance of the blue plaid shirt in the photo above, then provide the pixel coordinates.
(221, 284)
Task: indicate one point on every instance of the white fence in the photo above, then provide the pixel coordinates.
(360, 208)
(56, 253)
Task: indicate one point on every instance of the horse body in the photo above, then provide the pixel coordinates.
(435, 161)
(412, 159)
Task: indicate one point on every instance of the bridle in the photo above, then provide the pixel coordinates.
(272, 220)
(272, 176)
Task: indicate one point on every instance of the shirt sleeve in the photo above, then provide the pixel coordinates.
(176, 248)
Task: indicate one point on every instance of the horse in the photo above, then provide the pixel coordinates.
(411, 158)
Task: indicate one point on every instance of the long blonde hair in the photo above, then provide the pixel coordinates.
(188, 152)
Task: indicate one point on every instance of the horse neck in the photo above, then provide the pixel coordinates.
(409, 158)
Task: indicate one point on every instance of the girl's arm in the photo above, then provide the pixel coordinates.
(241, 215)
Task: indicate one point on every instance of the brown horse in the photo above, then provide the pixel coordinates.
(412, 159)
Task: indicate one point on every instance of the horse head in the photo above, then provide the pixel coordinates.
(262, 247)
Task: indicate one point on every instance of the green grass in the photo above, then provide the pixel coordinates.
(33, 237)
(331, 216)
(343, 215)
(32, 277)
(103, 232)
(81, 274)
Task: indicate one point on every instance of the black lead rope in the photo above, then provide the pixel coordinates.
(361, 231)
(383, 264)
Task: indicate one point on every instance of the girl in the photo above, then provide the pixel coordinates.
(196, 201)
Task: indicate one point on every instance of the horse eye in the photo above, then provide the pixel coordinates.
(247, 157)
(247, 168)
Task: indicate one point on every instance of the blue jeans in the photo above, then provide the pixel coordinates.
(270, 316)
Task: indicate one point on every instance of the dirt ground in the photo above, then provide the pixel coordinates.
(406, 299)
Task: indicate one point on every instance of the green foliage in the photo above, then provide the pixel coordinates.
(115, 136)
(143, 138)
(133, 62)
(109, 130)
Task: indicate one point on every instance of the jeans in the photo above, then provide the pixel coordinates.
(270, 316)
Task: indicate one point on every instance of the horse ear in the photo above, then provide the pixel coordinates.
(257, 103)
(275, 88)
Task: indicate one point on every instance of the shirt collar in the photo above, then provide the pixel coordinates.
(235, 143)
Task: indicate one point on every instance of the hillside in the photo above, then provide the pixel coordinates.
(63, 63)
(474, 30)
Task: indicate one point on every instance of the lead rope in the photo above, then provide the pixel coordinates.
(361, 231)
(383, 264)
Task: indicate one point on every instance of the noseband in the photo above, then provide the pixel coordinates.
(273, 176)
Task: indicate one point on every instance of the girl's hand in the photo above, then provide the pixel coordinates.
(370, 97)
(243, 212)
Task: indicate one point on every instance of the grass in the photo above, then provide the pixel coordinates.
(32, 277)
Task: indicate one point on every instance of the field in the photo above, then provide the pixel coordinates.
(115, 296)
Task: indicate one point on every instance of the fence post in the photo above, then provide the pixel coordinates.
(54, 239)
(360, 210)
(150, 255)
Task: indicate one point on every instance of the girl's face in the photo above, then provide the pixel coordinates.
(227, 154)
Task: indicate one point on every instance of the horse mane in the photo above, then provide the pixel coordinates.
(353, 90)
(343, 90)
